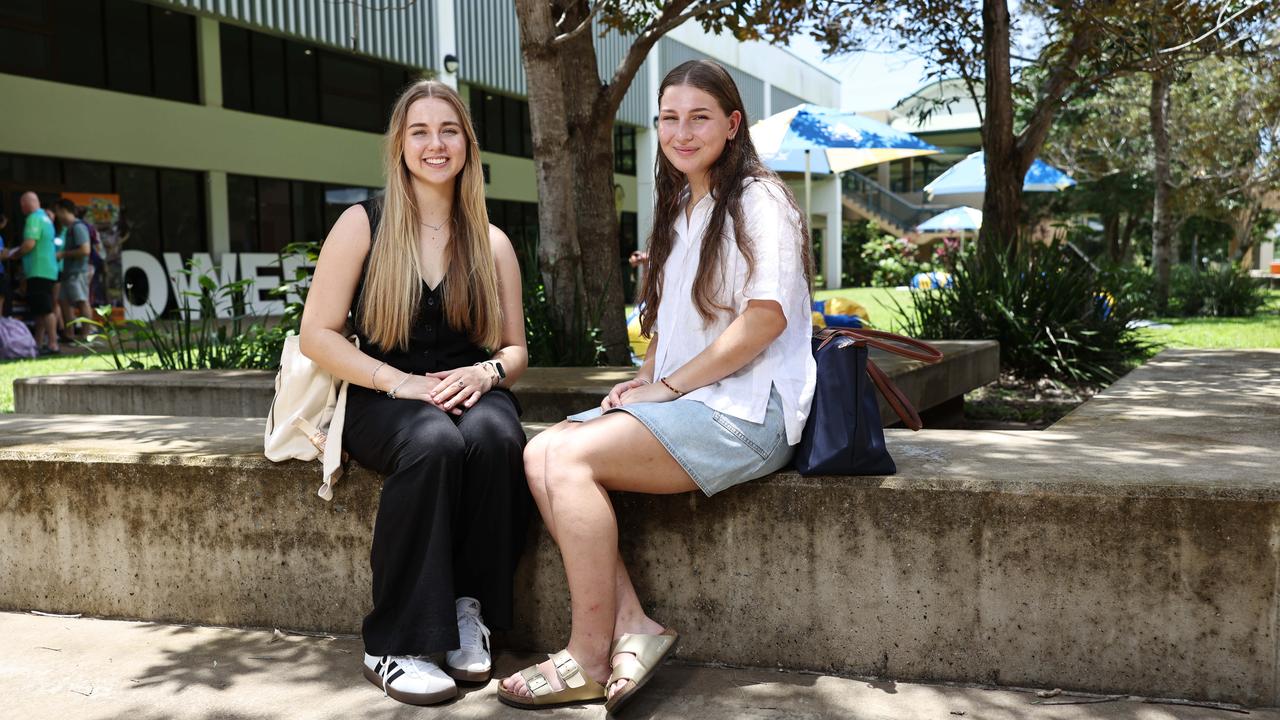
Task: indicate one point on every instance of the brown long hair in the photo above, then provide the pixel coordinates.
(393, 284)
(738, 162)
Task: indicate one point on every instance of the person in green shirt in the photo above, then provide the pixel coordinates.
(40, 266)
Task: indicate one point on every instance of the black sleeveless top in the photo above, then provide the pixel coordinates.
(433, 345)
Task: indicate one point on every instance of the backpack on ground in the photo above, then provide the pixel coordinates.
(15, 340)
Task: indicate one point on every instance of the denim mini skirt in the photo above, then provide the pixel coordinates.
(717, 450)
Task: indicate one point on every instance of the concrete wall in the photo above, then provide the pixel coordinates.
(1132, 548)
(914, 577)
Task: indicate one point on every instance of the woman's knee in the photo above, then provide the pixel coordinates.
(566, 468)
(430, 444)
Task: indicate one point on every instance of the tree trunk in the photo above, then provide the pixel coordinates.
(1126, 238)
(1242, 223)
(1111, 236)
(1162, 230)
(558, 251)
(1002, 203)
(591, 134)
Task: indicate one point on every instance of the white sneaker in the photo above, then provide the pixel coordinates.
(471, 662)
(409, 679)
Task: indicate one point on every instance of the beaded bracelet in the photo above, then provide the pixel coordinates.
(669, 387)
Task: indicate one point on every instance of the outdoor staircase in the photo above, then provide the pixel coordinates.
(867, 198)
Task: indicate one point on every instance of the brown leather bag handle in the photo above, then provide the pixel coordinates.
(887, 341)
(898, 345)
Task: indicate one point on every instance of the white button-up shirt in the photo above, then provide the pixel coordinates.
(787, 363)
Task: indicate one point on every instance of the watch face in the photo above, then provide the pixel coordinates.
(502, 374)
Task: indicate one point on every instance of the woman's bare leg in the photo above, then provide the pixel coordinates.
(630, 616)
(571, 485)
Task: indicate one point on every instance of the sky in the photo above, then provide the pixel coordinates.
(868, 80)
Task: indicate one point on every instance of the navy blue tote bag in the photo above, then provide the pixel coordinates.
(844, 435)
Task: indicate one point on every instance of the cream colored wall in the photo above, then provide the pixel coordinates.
(512, 178)
(69, 121)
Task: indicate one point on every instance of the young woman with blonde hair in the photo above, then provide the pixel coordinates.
(722, 396)
(432, 292)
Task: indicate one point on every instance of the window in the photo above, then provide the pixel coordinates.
(182, 211)
(502, 123)
(624, 150)
(173, 63)
(165, 207)
(267, 56)
(269, 75)
(898, 178)
(268, 213)
(519, 220)
(925, 171)
(119, 45)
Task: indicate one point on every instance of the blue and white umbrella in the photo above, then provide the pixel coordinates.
(814, 139)
(969, 176)
(837, 140)
(963, 218)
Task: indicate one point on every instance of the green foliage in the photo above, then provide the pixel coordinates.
(195, 338)
(1133, 286)
(1052, 314)
(1220, 291)
(580, 347)
(878, 259)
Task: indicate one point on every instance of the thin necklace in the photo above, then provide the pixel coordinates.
(434, 227)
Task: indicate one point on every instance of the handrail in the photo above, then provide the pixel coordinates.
(879, 199)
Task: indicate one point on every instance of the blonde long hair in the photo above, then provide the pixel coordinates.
(393, 284)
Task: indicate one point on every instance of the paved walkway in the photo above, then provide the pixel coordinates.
(86, 669)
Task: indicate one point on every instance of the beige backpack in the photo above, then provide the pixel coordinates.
(309, 408)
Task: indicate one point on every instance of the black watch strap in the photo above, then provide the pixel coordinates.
(502, 373)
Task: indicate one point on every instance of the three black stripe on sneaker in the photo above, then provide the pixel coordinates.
(394, 673)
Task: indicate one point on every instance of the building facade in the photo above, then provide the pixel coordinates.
(231, 128)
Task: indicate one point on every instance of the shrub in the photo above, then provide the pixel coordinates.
(874, 258)
(1132, 285)
(1050, 311)
(1220, 291)
(195, 338)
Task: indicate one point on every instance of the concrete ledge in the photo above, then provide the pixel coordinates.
(1139, 556)
(547, 394)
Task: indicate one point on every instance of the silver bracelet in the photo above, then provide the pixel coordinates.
(373, 379)
(392, 392)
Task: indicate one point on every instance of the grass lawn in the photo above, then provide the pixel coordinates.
(1260, 331)
(880, 302)
(11, 370)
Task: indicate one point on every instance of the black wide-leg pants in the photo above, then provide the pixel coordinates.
(451, 520)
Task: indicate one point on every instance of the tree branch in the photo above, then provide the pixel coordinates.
(1221, 24)
(1055, 87)
(573, 34)
(673, 14)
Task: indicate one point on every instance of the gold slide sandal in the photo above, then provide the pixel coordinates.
(578, 688)
(649, 652)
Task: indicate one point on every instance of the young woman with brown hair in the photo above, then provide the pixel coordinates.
(432, 291)
(721, 398)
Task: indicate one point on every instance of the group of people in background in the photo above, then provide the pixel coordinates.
(55, 263)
